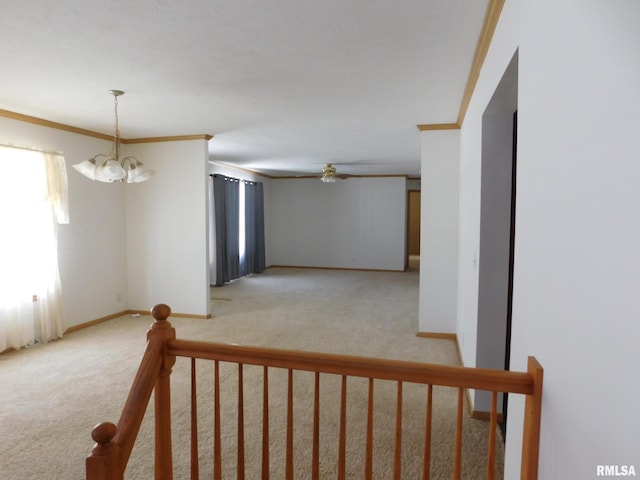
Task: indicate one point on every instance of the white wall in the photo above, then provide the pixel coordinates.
(129, 246)
(167, 228)
(578, 226)
(439, 231)
(91, 248)
(355, 223)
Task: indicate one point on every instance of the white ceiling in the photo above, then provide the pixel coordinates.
(283, 85)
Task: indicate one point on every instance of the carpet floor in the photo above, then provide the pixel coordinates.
(52, 395)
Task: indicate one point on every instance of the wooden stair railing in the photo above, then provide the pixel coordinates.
(113, 447)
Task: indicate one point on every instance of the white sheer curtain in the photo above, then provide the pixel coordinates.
(33, 196)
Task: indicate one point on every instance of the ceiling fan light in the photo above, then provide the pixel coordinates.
(328, 174)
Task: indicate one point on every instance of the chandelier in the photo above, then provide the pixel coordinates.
(328, 174)
(111, 168)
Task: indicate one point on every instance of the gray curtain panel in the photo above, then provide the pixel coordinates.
(253, 260)
(226, 205)
(226, 209)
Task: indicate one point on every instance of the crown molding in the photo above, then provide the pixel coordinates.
(242, 169)
(380, 175)
(175, 138)
(438, 126)
(47, 123)
(482, 48)
(486, 36)
(89, 133)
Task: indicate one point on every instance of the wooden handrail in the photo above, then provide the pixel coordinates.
(136, 404)
(114, 444)
(110, 455)
(382, 369)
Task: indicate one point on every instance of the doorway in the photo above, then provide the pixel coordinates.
(497, 234)
(512, 244)
(413, 230)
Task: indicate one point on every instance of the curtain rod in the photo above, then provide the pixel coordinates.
(233, 178)
(30, 149)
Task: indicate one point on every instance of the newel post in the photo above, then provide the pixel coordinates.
(105, 461)
(532, 418)
(163, 458)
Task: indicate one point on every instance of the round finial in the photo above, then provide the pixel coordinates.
(103, 433)
(161, 312)
(116, 93)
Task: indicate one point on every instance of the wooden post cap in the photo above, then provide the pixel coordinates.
(103, 434)
(161, 312)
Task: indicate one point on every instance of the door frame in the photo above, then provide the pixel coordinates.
(408, 232)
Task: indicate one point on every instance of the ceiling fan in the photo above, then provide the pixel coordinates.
(329, 174)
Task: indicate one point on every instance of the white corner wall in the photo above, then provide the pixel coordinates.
(439, 231)
(129, 246)
(356, 223)
(91, 248)
(167, 228)
(577, 229)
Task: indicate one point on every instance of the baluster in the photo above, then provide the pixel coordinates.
(426, 467)
(289, 458)
(195, 468)
(315, 455)
(491, 453)
(397, 461)
(217, 440)
(342, 451)
(265, 423)
(457, 457)
(240, 424)
(368, 467)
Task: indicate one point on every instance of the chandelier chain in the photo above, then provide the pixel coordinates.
(110, 168)
(117, 129)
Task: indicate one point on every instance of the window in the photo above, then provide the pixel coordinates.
(238, 228)
(32, 197)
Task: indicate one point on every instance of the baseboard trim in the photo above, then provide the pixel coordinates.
(91, 323)
(173, 314)
(467, 391)
(454, 337)
(306, 267)
(486, 416)
(442, 335)
(97, 321)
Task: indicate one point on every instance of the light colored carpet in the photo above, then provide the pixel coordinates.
(53, 395)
